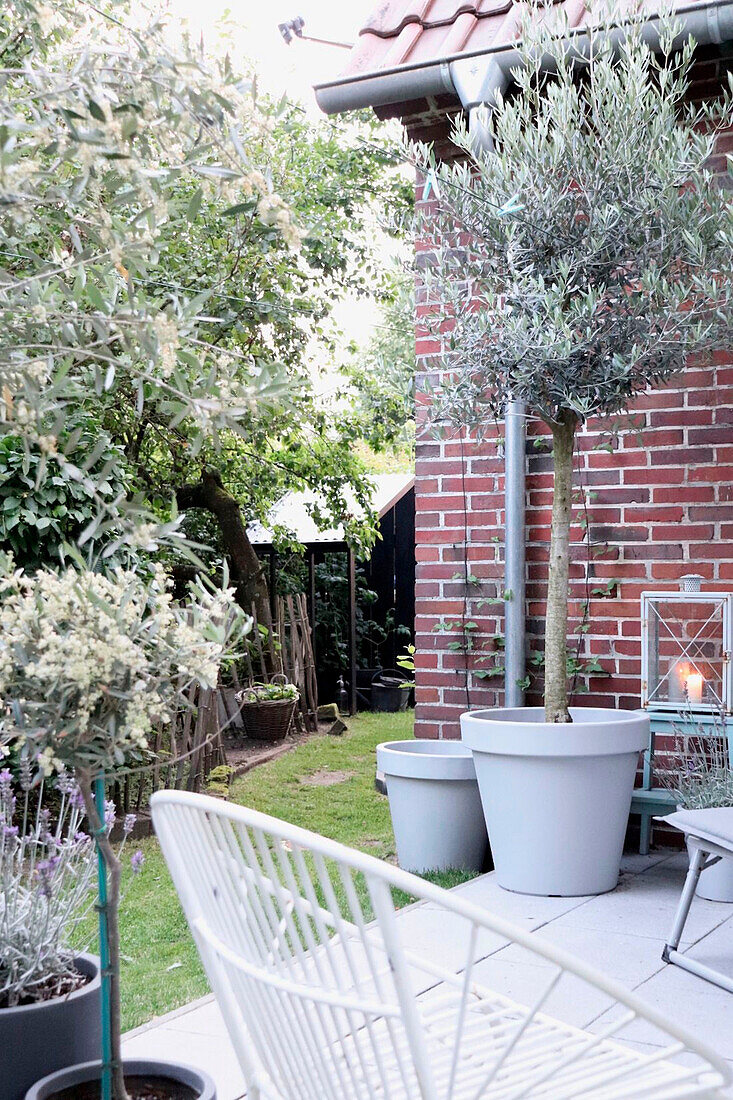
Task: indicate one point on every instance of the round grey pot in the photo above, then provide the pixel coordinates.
(556, 797)
(196, 1079)
(39, 1038)
(435, 805)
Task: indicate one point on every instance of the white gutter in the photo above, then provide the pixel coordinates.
(477, 80)
(708, 23)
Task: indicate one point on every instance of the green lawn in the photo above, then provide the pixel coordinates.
(160, 969)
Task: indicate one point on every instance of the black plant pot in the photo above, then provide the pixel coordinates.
(38, 1039)
(200, 1084)
(390, 693)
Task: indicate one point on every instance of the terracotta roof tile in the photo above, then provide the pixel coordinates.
(415, 32)
(401, 32)
(392, 15)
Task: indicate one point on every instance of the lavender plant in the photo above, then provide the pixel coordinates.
(699, 771)
(47, 884)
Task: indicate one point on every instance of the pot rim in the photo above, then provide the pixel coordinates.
(92, 962)
(424, 758)
(534, 716)
(158, 1066)
(522, 731)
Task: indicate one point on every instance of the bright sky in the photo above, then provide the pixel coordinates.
(294, 68)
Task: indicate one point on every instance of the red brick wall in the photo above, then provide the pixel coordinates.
(658, 503)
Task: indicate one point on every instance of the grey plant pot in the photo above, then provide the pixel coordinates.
(435, 805)
(40, 1038)
(142, 1067)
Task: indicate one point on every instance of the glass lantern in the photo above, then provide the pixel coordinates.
(686, 643)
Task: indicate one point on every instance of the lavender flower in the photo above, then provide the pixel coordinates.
(76, 798)
(65, 783)
(45, 871)
(26, 773)
(44, 826)
(110, 815)
(129, 824)
(7, 800)
(137, 861)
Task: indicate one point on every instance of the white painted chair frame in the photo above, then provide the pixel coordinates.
(319, 1007)
(703, 853)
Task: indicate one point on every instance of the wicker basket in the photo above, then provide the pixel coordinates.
(267, 719)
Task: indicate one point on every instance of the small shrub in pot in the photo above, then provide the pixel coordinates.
(700, 776)
(92, 717)
(49, 991)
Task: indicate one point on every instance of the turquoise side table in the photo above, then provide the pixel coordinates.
(650, 801)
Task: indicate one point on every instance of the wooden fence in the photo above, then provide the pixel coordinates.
(188, 748)
(185, 752)
(288, 653)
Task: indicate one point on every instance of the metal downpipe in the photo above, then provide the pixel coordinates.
(515, 467)
(491, 81)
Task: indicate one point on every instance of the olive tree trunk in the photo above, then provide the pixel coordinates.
(556, 623)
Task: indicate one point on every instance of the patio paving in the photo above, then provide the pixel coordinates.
(620, 933)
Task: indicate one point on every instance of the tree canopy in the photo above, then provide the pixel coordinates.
(173, 245)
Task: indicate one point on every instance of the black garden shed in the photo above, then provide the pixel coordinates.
(389, 572)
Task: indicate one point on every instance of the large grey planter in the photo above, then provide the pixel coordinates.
(196, 1079)
(435, 805)
(37, 1039)
(556, 797)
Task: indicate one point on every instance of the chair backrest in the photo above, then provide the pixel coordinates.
(317, 1004)
(320, 999)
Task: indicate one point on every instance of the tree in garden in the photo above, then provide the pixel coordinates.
(581, 260)
(271, 299)
(259, 258)
(109, 140)
(102, 129)
(89, 663)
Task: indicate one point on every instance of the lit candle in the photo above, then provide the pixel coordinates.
(694, 687)
(678, 681)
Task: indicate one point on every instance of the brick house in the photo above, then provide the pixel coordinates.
(654, 500)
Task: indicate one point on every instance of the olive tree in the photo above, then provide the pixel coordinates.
(580, 260)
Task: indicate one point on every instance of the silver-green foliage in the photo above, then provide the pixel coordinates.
(583, 258)
(103, 127)
(699, 771)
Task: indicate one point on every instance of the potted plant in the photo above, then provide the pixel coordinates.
(267, 709)
(700, 776)
(89, 663)
(49, 992)
(570, 267)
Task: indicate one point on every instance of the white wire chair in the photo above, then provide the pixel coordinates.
(322, 1002)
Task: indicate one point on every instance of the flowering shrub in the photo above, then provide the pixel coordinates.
(47, 885)
(89, 663)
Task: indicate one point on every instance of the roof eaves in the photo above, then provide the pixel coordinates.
(399, 84)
